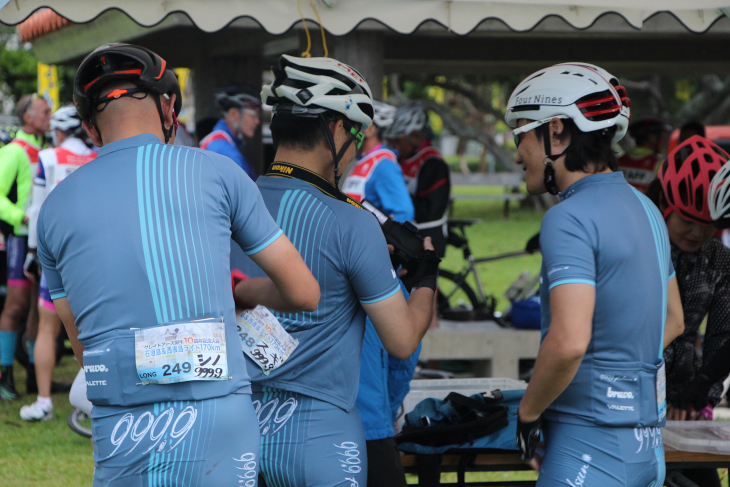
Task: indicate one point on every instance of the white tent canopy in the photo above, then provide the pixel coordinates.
(403, 16)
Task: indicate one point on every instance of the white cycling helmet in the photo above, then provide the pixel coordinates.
(406, 120)
(311, 86)
(66, 119)
(587, 94)
(384, 113)
(719, 197)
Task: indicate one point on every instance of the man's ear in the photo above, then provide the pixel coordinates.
(93, 134)
(557, 127)
(168, 107)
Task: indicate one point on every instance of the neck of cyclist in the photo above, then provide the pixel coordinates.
(319, 159)
(565, 178)
(371, 140)
(128, 117)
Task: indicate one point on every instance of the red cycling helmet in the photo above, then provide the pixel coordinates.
(686, 175)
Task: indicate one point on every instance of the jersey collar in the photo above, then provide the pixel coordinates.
(128, 143)
(603, 178)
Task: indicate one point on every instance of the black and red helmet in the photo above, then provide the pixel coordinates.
(686, 175)
(121, 61)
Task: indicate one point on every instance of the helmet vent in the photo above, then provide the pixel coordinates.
(699, 200)
(536, 76)
(680, 157)
(695, 168)
(578, 74)
(683, 193)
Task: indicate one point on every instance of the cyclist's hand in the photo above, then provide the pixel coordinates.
(401, 272)
(676, 414)
(427, 245)
(528, 437)
(25, 220)
(31, 267)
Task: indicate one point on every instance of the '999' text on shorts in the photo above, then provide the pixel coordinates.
(209, 443)
(308, 442)
(581, 456)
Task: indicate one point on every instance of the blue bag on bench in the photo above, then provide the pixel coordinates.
(486, 420)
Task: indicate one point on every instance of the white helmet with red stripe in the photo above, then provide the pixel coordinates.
(310, 86)
(587, 94)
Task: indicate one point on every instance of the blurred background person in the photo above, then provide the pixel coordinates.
(240, 106)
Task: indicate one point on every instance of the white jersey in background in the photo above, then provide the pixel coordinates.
(53, 167)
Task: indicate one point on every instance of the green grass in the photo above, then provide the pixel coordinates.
(495, 235)
(47, 453)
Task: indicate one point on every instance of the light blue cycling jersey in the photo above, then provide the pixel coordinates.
(345, 249)
(140, 237)
(606, 234)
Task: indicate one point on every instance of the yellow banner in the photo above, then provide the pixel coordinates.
(48, 84)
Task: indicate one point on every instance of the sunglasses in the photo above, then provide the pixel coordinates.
(527, 127)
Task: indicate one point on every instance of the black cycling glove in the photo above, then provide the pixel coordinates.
(528, 436)
(426, 273)
(697, 395)
(32, 265)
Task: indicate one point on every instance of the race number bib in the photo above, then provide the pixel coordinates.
(661, 392)
(263, 338)
(181, 352)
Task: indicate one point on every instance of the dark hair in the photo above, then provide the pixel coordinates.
(585, 147)
(693, 126)
(299, 132)
(655, 193)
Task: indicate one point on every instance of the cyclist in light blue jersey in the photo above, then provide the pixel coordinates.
(311, 432)
(610, 302)
(134, 247)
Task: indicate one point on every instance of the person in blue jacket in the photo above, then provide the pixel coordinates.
(384, 379)
(240, 105)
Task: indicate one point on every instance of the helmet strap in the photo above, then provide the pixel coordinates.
(165, 131)
(667, 212)
(336, 158)
(549, 178)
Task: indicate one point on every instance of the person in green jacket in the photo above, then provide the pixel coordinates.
(18, 165)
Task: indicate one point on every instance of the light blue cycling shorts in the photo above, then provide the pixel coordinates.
(207, 443)
(308, 442)
(598, 456)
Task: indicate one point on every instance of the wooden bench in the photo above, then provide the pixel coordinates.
(500, 461)
(509, 180)
(496, 351)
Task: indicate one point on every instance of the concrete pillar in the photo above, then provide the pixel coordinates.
(364, 51)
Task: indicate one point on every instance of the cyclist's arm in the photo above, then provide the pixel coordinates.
(69, 321)
(291, 287)
(9, 158)
(39, 196)
(562, 350)
(675, 314)
(401, 324)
